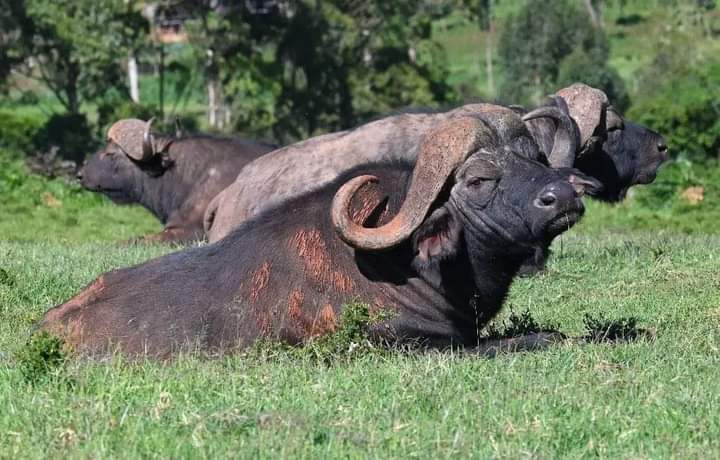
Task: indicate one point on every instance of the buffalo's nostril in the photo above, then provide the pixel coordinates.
(662, 147)
(79, 175)
(548, 199)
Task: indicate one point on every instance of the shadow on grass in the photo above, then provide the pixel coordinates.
(522, 333)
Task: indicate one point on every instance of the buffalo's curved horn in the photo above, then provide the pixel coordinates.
(148, 149)
(587, 107)
(441, 152)
(129, 134)
(566, 141)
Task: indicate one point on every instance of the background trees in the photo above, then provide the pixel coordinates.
(286, 70)
(547, 45)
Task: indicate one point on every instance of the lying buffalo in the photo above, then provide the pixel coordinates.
(415, 239)
(618, 153)
(577, 128)
(175, 178)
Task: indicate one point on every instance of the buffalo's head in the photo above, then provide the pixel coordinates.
(497, 198)
(591, 135)
(630, 155)
(132, 152)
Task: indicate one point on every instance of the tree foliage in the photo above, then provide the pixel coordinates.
(550, 44)
(317, 66)
(684, 105)
(77, 46)
(13, 27)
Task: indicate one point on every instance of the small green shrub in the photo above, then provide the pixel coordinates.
(17, 131)
(517, 325)
(41, 357)
(350, 339)
(604, 330)
(6, 278)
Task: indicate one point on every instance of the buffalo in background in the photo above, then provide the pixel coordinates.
(415, 239)
(175, 178)
(577, 127)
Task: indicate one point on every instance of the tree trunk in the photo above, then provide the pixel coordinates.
(212, 104)
(595, 14)
(71, 89)
(133, 77)
(162, 82)
(218, 115)
(489, 40)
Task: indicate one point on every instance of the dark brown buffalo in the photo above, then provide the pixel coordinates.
(415, 239)
(173, 177)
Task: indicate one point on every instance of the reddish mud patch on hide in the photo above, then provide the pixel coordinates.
(262, 320)
(295, 301)
(316, 260)
(325, 322)
(300, 322)
(86, 296)
(259, 281)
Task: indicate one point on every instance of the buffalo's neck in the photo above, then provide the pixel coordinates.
(450, 302)
(491, 259)
(494, 266)
(163, 195)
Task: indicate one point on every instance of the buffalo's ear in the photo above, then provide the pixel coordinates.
(438, 238)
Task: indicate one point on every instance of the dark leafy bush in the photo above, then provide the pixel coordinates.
(547, 45)
(592, 69)
(70, 133)
(687, 113)
(680, 98)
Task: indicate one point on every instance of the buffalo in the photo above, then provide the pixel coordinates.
(577, 127)
(416, 239)
(173, 177)
(617, 152)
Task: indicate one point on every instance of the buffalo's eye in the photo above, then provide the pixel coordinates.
(479, 181)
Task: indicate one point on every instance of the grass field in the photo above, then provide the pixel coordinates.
(652, 261)
(655, 262)
(650, 398)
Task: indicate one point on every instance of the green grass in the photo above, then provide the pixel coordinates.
(647, 398)
(36, 209)
(642, 399)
